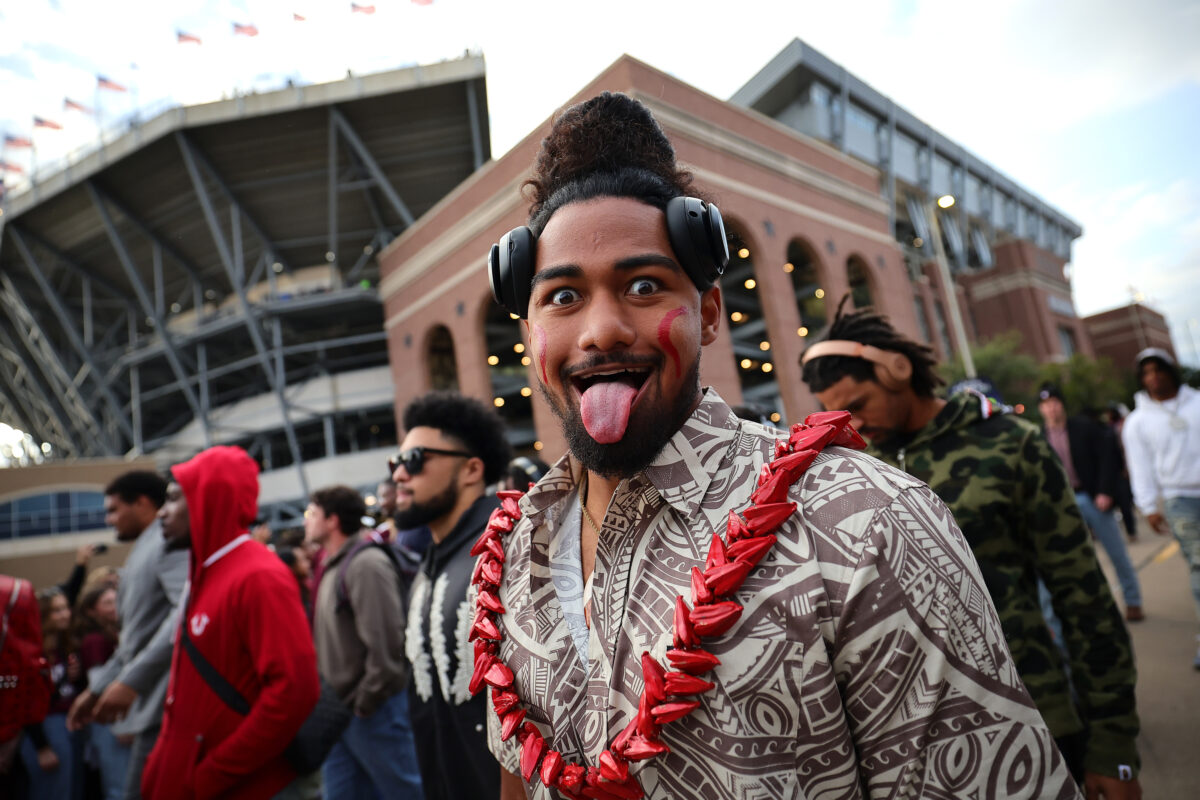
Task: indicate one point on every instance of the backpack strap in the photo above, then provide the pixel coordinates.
(404, 563)
(221, 687)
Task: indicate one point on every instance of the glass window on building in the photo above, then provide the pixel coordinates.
(748, 328)
(803, 269)
(443, 367)
(52, 512)
(858, 275)
(508, 364)
(1066, 341)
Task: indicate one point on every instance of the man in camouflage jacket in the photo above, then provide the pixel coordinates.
(1011, 498)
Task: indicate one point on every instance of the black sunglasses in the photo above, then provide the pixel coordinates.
(413, 459)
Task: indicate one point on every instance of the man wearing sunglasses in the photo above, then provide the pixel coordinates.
(454, 447)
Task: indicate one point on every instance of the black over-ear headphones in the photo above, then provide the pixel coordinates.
(694, 227)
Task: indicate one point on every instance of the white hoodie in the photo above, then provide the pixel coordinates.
(1162, 448)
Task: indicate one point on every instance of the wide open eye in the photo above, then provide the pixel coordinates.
(564, 296)
(643, 287)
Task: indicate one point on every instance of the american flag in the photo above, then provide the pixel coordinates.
(182, 37)
(104, 83)
(5, 166)
(71, 105)
(245, 30)
(355, 8)
(17, 141)
(297, 17)
(42, 122)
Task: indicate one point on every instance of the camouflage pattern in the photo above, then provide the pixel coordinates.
(1010, 496)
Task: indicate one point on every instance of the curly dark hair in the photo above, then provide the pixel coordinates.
(870, 327)
(608, 146)
(475, 427)
(343, 501)
(139, 483)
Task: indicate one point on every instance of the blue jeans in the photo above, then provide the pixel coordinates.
(1103, 525)
(1183, 515)
(112, 758)
(376, 756)
(66, 782)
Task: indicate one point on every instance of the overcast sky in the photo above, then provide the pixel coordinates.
(1094, 105)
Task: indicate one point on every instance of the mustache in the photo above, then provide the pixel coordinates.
(566, 372)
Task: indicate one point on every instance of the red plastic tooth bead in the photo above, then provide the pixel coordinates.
(682, 683)
(751, 551)
(815, 438)
(781, 447)
(482, 664)
(700, 591)
(645, 720)
(627, 733)
(485, 646)
(669, 712)
(498, 676)
(735, 529)
(488, 600)
(484, 627)
(477, 575)
(500, 522)
(715, 619)
(496, 548)
(836, 419)
(693, 661)
(503, 702)
(794, 464)
(685, 635)
(611, 769)
(571, 778)
(531, 752)
(653, 674)
(509, 506)
(510, 723)
(766, 518)
(849, 437)
(765, 473)
(629, 789)
(481, 543)
(716, 552)
(725, 579)
(491, 570)
(552, 764)
(640, 748)
(774, 490)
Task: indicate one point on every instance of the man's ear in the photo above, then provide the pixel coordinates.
(710, 314)
(471, 472)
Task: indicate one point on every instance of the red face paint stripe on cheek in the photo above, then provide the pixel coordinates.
(541, 345)
(664, 336)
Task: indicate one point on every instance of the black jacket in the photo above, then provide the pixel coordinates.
(1095, 456)
(449, 726)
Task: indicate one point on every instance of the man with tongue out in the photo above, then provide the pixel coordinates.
(653, 625)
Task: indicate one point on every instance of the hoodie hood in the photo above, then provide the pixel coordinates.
(1143, 401)
(221, 488)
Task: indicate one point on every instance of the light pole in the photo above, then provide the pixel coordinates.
(960, 333)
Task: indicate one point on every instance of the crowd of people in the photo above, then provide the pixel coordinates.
(689, 603)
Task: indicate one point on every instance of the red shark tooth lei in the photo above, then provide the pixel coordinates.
(667, 695)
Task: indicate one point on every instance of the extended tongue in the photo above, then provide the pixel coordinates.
(605, 410)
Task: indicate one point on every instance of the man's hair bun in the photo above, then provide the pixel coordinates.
(610, 145)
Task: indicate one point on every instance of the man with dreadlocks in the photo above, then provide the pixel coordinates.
(691, 605)
(1011, 498)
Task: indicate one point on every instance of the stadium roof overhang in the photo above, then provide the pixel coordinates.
(208, 225)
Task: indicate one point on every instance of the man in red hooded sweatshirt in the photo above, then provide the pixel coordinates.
(243, 615)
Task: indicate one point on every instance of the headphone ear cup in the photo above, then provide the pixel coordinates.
(697, 235)
(510, 270)
(893, 371)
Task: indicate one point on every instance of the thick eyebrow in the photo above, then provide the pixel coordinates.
(624, 265)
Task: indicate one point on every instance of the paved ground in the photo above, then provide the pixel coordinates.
(1168, 689)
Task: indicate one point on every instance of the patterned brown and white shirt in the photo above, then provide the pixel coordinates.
(869, 661)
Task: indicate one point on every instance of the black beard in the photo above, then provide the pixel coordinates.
(646, 436)
(436, 507)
